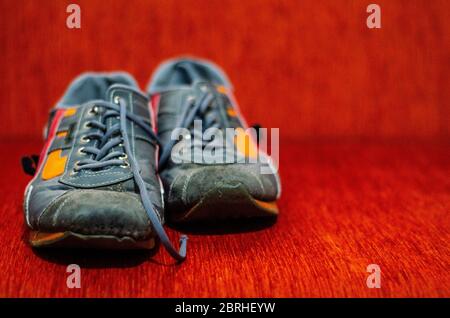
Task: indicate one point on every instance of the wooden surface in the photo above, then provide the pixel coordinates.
(314, 61)
(344, 206)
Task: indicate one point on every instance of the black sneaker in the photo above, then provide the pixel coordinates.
(200, 182)
(96, 183)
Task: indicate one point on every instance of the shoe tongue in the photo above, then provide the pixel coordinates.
(136, 102)
(203, 87)
(123, 91)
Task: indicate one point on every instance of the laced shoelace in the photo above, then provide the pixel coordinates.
(104, 155)
(201, 108)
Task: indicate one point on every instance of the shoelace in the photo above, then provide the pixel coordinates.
(201, 108)
(102, 156)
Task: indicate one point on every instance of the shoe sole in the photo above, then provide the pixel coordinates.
(226, 203)
(75, 240)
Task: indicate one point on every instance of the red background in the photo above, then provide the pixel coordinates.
(311, 68)
(345, 98)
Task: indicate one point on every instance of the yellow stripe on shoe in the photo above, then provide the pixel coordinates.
(244, 144)
(54, 165)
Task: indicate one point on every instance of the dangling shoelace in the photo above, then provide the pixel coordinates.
(102, 156)
(200, 108)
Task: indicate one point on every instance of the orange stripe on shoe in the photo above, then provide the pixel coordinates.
(222, 89)
(268, 206)
(41, 237)
(61, 134)
(244, 144)
(231, 112)
(54, 165)
(70, 111)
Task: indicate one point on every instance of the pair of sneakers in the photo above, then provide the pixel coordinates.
(110, 174)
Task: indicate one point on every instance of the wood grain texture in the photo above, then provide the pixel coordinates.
(344, 206)
(314, 61)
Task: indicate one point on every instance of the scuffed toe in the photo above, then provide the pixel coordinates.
(97, 212)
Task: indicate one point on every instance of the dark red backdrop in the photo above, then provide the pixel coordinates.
(312, 68)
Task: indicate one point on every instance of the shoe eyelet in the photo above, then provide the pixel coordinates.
(125, 165)
(74, 170)
(87, 125)
(117, 100)
(94, 110)
(81, 151)
(123, 157)
(85, 140)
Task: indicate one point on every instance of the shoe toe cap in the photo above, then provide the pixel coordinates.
(191, 185)
(97, 212)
